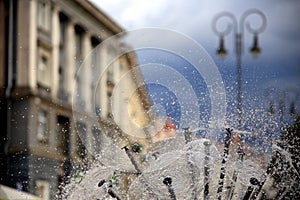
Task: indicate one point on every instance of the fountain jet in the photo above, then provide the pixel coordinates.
(168, 182)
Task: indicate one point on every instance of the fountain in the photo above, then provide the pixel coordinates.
(222, 164)
(183, 166)
(196, 170)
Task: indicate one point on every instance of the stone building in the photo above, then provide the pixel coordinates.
(43, 44)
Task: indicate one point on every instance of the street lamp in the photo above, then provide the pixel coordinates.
(237, 27)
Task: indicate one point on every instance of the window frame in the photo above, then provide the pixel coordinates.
(44, 79)
(63, 134)
(43, 126)
(43, 15)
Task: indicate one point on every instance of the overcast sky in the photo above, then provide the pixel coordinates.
(277, 67)
(280, 41)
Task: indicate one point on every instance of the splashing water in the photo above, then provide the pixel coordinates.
(171, 168)
(185, 165)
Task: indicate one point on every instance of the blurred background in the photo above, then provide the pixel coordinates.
(270, 77)
(58, 115)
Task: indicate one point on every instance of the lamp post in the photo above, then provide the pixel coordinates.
(237, 28)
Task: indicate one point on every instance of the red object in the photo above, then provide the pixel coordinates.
(169, 125)
(236, 138)
(168, 131)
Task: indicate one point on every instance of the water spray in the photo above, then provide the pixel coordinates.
(269, 171)
(223, 168)
(187, 134)
(113, 194)
(250, 188)
(206, 169)
(133, 161)
(168, 182)
(193, 175)
(110, 191)
(235, 172)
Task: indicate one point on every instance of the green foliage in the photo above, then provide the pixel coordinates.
(114, 180)
(136, 147)
(78, 177)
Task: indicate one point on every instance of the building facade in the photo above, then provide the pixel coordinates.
(43, 44)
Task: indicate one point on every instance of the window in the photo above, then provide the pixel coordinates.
(61, 53)
(43, 72)
(79, 31)
(63, 135)
(80, 102)
(95, 86)
(42, 133)
(61, 74)
(43, 189)
(95, 71)
(63, 69)
(62, 27)
(78, 43)
(94, 42)
(81, 140)
(43, 15)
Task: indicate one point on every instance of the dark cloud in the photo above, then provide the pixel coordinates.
(279, 64)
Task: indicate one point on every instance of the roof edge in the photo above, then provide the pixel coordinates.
(101, 16)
